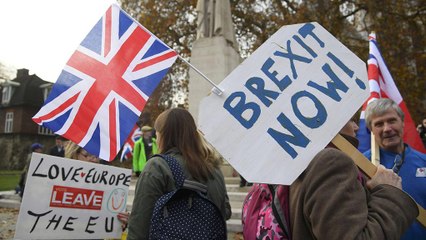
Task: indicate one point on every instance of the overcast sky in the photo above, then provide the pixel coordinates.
(41, 35)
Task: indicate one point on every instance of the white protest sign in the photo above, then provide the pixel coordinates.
(72, 199)
(284, 103)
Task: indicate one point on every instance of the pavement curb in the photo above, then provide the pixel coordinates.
(8, 199)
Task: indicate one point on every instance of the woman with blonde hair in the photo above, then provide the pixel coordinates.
(74, 151)
(177, 136)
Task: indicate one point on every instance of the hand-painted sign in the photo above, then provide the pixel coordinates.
(284, 103)
(71, 199)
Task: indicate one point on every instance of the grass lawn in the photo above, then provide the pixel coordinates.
(9, 180)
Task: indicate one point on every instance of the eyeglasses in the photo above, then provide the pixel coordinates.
(397, 163)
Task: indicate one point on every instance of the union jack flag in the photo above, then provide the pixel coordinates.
(127, 150)
(104, 86)
(382, 86)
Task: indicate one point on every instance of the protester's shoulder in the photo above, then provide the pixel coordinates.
(418, 154)
(330, 152)
(218, 171)
(218, 175)
(156, 160)
(367, 153)
(331, 157)
(156, 164)
(329, 164)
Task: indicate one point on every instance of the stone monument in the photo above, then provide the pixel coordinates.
(215, 51)
(215, 54)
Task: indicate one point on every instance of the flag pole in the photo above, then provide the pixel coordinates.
(367, 167)
(375, 153)
(215, 89)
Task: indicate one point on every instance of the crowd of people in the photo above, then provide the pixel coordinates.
(331, 199)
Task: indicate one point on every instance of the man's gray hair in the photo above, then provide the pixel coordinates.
(379, 107)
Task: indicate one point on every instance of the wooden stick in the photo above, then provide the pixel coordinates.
(375, 152)
(367, 167)
(360, 160)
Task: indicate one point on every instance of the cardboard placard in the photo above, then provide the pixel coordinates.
(284, 103)
(72, 199)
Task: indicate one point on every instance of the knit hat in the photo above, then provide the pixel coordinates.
(146, 129)
(36, 146)
(59, 137)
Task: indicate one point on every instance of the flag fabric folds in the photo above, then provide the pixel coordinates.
(382, 85)
(104, 86)
(127, 150)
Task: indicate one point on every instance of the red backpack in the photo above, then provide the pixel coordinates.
(266, 212)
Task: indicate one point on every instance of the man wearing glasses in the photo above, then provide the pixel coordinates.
(385, 119)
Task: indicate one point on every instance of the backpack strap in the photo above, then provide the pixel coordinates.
(179, 176)
(280, 214)
(196, 186)
(175, 167)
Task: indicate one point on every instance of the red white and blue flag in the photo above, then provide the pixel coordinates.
(127, 150)
(382, 86)
(104, 86)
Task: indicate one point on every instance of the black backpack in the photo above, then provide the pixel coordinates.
(186, 213)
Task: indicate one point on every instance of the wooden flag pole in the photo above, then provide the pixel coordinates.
(375, 152)
(367, 167)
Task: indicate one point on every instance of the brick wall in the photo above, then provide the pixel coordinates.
(16, 147)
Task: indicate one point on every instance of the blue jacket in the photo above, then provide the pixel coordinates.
(413, 174)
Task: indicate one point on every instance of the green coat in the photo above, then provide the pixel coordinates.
(157, 179)
(139, 156)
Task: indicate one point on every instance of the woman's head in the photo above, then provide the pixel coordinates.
(74, 151)
(350, 128)
(176, 128)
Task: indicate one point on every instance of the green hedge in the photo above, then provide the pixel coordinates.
(9, 180)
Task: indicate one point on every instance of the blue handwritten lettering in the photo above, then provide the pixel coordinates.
(308, 29)
(297, 138)
(281, 84)
(292, 57)
(335, 83)
(313, 122)
(256, 86)
(306, 47)
(242, 107)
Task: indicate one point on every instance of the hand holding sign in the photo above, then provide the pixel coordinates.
(285, 103)
(367, 167)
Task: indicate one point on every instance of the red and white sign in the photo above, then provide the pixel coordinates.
(69, 197)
